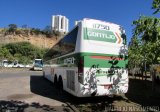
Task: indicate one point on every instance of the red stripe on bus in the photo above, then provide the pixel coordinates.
(106, 57)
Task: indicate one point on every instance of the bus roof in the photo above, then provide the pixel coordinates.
(38, 59)
(89, 19)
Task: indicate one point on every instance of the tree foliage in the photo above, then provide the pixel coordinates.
(148, 31)
(4, 53)
(147, 28)
(156, 6)
(12, 28)
(26, 31)
(134, 53)
(145, 43)
(22, 51)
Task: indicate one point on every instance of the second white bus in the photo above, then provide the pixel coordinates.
(37, 64)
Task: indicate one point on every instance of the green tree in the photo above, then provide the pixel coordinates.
(4, 53)
(156, 6)
(147, 30)
(12, 28)
(135, 54)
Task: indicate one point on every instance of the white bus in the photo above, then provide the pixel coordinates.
(91, 60)
(37, 64)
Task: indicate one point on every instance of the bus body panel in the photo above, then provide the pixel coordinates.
(100, 80)
(69, 85)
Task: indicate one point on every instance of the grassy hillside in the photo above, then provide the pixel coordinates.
(24, 52)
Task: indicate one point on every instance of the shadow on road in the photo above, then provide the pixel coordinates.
(140, 92)
(45, 88)
(19, 106)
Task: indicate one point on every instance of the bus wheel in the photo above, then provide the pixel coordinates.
(60, 84)
(55, 81)
(43, 74)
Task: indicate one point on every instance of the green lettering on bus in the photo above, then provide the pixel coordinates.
(99, 35)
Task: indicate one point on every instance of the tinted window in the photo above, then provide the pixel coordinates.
(38, 63)
(64, 46)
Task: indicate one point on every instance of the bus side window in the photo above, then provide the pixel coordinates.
(64, 46)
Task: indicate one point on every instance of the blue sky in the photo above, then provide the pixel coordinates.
(37, 13)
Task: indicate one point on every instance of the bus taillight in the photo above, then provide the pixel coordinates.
(80, 70)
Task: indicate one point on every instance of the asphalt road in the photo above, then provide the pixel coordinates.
(28, 91)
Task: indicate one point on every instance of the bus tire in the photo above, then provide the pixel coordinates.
(43, 74)
(55, 81)
(60, 83)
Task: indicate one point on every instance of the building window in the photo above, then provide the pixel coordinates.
(62, 23)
